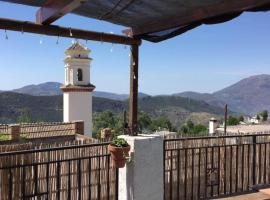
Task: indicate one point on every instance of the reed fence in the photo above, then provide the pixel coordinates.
(72, 170)
(40, 130)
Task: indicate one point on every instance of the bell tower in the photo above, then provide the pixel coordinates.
(77, 90)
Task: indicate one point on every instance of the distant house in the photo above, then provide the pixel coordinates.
(253, 120)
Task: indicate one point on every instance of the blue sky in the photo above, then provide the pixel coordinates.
(205, 59)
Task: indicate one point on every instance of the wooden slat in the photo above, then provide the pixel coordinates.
(54, 9)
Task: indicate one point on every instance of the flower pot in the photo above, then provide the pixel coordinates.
(119, 155)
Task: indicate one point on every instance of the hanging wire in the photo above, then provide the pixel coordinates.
(6, 35)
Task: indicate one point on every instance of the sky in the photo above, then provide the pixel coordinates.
(205, 59)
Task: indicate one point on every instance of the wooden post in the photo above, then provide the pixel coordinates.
(133, 97)
(225, 119)
(14, 131)
(79, 127)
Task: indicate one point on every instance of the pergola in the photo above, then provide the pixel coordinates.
(154, 21)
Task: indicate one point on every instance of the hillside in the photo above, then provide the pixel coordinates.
(250, 95)
(206, 97)
(53, 88)
(44, 89)
(49, 108)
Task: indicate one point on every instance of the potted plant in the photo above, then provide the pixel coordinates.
(119, 149)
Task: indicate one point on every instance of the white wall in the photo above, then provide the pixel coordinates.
(142, 178)
(78, 106)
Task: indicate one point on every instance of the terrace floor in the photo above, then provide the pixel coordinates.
(261, 195)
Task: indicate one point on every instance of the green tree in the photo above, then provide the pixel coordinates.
(264, 115)
(161, 123)
(199, 128)
(232, 121)
(144, 121)
(25, 116)
(107, 119)
(190, 124)
(241, 118)
(191, 128)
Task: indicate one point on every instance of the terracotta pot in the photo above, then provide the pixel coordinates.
(119, 155)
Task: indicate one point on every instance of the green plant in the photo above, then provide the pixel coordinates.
(119, 142)
(4, 137)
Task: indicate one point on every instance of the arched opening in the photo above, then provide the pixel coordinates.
(79, 75)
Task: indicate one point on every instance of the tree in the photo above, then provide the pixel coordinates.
(191, 128)
(199, 128)
(161, 123)
(190, 124)
(232, 121)
(25, 116)
(264, 115)
(144, 121)
(107, 119)
(241, 118)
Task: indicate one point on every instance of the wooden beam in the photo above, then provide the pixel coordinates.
(133, 97)
(195, 15)
(51, 30)
(54, 9)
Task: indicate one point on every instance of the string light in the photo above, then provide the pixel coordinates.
(6, 35)
(70, 32)
(22, 30)
(86, 41)
(111, 50)
(57, 41)
(40, 41)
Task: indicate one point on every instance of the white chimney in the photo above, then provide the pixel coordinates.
(213, 125)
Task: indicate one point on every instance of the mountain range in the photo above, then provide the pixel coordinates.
(248, 96)
(53, 88)
(50, 108)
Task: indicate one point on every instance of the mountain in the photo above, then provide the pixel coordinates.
(49, 108)
(44, 89)
(114, 96)
(206, 97)
(250, 95)
(53, 88)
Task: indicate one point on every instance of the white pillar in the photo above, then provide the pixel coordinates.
(142, 178)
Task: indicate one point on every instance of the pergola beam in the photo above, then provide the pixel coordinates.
(52, 30)
(54, 9)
